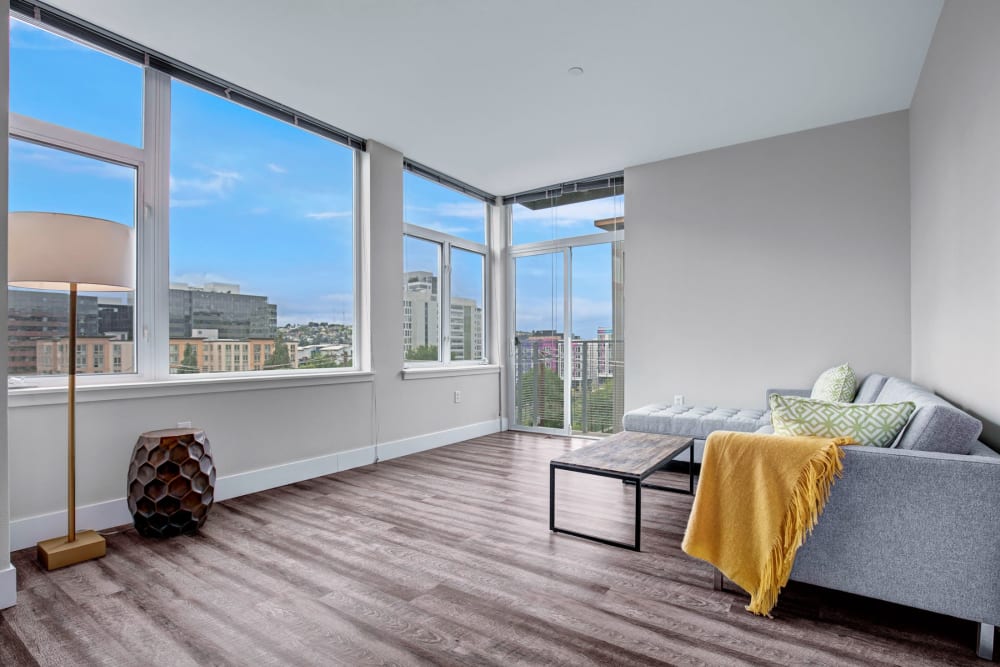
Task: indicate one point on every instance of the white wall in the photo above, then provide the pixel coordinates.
(409, 406)
(759, 265)
(328, 426)
(955, 185)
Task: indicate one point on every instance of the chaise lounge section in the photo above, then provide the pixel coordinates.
(917, 524)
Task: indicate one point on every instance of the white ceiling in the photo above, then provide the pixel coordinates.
(478, 89)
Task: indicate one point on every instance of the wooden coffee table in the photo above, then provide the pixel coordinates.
(629, 456)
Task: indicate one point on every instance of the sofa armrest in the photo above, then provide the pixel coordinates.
(912, 527)
(784, 392)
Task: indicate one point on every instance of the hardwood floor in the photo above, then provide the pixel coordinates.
(445, 558)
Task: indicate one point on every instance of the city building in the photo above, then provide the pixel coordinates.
(94, 355)
(223, 307)
(115, 318)
(466, 327)
(212, 354)
(249, 322)
(337, 354)
(422, 319)
(34, 315)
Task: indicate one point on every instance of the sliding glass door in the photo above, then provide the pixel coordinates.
(567, 347)
(539, 341)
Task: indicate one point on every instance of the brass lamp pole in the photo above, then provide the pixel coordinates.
(55, 251)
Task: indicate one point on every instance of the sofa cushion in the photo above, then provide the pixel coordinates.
(872, 424)
(937, 425)
(870, 387)
(835, 384)
(695, 421)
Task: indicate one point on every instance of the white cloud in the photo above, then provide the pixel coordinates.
(571, 215)
(591, 309)
(217, 183)
(446, 229)
(471, 210)
(276, 168)
(328, 215)
(537, 312)
(176, 202)
(431, 217)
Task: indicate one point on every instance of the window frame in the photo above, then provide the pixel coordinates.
(60, 138)
(359, 326)
(447, 242)
(151, 315)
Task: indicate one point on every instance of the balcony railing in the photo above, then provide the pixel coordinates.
(596, 386)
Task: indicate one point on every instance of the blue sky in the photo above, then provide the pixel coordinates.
(254, 201)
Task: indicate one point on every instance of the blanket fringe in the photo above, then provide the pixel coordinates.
(811, 491)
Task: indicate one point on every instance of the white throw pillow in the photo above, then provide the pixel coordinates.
(837, 385)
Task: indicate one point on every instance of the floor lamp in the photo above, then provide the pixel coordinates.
(54, 251)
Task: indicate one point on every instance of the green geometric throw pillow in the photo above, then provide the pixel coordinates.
(872, 424)
(838, 384)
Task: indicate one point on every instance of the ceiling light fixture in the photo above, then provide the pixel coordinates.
(575, 71)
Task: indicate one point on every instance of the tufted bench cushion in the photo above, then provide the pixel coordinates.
(694, 421)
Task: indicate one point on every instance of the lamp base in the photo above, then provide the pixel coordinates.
(58, 552)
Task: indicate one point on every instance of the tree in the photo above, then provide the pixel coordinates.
(279, 358)
(423, 353)
(539, 396)
(189, 362)
(600, 408)
(322, 361)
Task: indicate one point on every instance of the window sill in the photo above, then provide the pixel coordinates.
(30, 396)
(443, 371)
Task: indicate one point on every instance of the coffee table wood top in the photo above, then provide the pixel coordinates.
(627, 453)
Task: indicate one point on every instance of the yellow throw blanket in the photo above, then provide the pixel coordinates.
(758, 498)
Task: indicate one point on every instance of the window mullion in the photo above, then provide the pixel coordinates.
(153, 327)
(445, 295)
(74, 141)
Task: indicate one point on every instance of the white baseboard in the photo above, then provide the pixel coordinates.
(420, 443)
(252, 481)
(29, 531)
(8, 587)
(355, 458)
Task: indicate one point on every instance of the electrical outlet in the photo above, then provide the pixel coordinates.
(458, 397)
(678, 400)
(183, 424)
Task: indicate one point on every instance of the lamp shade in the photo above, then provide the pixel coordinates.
(49, 251)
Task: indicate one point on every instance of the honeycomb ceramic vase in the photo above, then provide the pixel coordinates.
(171, 482)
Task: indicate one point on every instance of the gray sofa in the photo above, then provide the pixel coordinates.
(916, 524)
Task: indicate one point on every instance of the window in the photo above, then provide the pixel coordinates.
(444, 274)
(60, 81)
(421, 303)
(54, 167)
(261, 237)
(467, 297)
(258, 213)
(541, 221)
(568, 310)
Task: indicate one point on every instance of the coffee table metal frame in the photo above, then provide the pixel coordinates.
(626, 478)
